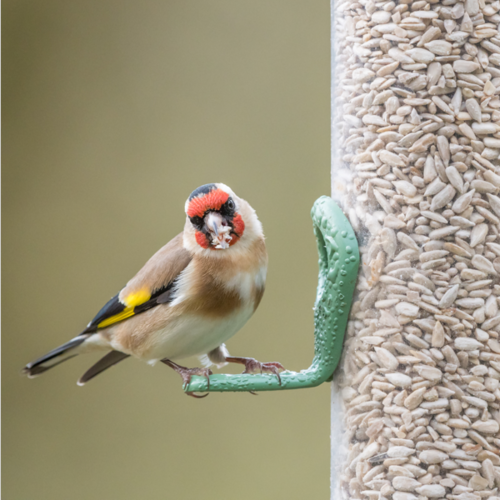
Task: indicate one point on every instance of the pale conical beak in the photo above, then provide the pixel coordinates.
(218, 229)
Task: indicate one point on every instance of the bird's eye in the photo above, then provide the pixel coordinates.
(197, 222)
(230, 204)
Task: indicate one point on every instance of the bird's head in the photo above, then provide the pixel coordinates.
(217, 219)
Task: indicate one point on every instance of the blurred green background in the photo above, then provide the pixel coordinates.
(113, 112)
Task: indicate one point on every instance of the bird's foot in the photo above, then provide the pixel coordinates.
(254, 366)
(187, 373)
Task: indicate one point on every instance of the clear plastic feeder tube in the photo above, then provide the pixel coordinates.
(416, 168)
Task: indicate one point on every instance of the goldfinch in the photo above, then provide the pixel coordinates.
(189, 298)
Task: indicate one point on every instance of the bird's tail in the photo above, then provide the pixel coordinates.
(53, 358)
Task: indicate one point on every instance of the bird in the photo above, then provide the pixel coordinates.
(189, 298)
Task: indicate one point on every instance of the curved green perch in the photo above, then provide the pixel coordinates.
(338, 270)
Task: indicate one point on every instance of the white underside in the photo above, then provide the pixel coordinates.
(190, 335)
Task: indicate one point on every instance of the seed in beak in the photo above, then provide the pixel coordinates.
(219, 230)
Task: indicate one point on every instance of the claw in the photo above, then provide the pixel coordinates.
(254, 366)
(193, 395)
(187, 374)
(273, 368)
(277, 373)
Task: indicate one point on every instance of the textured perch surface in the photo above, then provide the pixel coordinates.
(338, 269)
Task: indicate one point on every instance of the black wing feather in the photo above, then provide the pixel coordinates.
(112, 307)
(162, 296)
(164, 268)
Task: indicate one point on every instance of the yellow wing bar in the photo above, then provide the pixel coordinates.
(126, 313)
(137, 298)
(132, 300)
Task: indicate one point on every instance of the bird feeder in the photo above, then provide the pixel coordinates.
(338, 269)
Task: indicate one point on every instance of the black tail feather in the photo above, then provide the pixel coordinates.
(39, 366)
(38, 370)
(104, 363)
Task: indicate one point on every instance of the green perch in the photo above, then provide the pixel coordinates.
(338, 271)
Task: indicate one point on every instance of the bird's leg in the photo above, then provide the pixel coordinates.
(187, 373)
(254, 366)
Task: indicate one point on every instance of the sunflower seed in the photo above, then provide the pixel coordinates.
(417, 126)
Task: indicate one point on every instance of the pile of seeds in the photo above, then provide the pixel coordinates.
(417, 169)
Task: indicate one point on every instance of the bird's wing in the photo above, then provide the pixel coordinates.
(151, 286)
